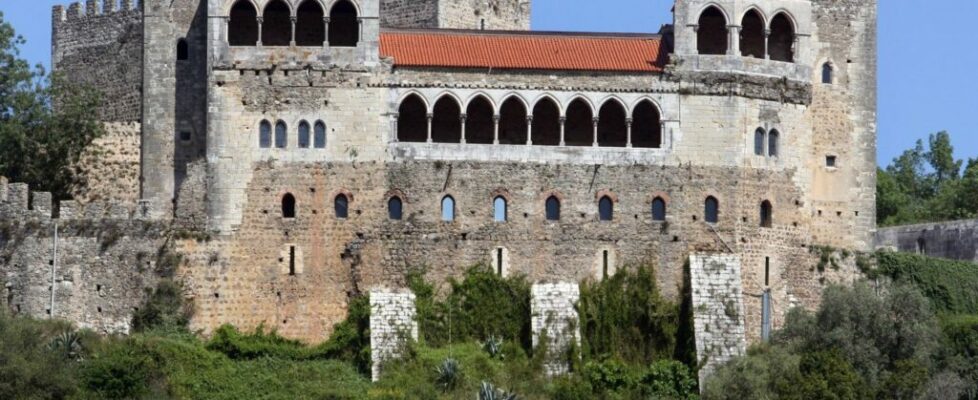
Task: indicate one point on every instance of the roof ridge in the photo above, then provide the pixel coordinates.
(477, 32)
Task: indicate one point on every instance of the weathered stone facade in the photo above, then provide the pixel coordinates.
(555, 319)
(718, 310)
(392, 326)
(955, 240)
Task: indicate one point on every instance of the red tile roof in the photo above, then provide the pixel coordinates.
(523, 50)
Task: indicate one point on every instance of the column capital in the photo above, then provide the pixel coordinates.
(462, 117)
(430, 115)
(326, 19)
(628, 120)
(529, 118)
(563, 119)
(293, 19)
(495, 118)
(260, 19)
(596, 120)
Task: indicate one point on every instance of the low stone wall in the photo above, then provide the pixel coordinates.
(392, 323)
(554, 316)
(718, 310)
(955, 240)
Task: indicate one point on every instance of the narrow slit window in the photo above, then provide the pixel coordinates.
(292, 260)
(304, 135)
(604, 264)
(288, 206)
(712, 210)
(499, 261)
(767, 271)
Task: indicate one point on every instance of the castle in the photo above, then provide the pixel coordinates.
(298, 152)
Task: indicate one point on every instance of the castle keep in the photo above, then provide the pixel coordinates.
(324, 147)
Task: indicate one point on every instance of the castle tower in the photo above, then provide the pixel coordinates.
(456, 14)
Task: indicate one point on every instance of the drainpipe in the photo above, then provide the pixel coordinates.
(54, 267)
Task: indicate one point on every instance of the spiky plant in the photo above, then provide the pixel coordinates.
(489, 392)
(449, 374)
(494, 346)
(67, 344)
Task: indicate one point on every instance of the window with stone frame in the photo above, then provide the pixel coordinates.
(711, 210)
(711, 32)
(304, 135)
(606, 209)
(288, 206)
(658, 209)
(319, 135)
(341, 206)
(243, 24)
(553, 208)
(344, 26)
(265, 134)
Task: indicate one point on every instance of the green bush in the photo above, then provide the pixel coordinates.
(29, 367)
(120, 372)
(951, 286)
(350, 340)
(164, 310)
(258, 344)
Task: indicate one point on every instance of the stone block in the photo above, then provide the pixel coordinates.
(392, 325)
(718, 309)
(554, 318)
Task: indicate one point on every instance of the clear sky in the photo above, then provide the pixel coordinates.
(928, 61)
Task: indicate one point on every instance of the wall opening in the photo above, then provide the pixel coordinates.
(446, 125)
(711, 35)
(276, 26)
(759, 142)
(183, 50)
(319, 135)
(773, 139)
(265, 134)
(612, 128)
(243, 24)
(711, 210)
(553, 208)
(579, 125)
(546, 123)
(830, 161)
(782, 40)
(606, 209)
(341, 206)
(288, 206)
(658, 209)
(291, 260)
(303, 135)
(827, 73)
(767, 271)
(479, 126)
(448, 209)
(766, 214)
(646, 126)
(500, 261)
(605, 267)
(395, 208)
(344, 26)
(412, 120)
(310, 30)
(281, 135)
(499, 209)
(921, 246)
(752, 35)
(512, 122)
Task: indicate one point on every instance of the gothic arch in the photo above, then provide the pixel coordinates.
(479, 120)
(310, 30)
(711, 32)
(485, 96)
(412, 118)
(276, 27)
(344, 24)
(446, 121)
(753, 24)
(782, 39)
(243, 23)
(646, 124)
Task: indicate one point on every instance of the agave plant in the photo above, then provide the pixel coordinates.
(494, 346)
(489, 392)
(67, 344)
(449, 374)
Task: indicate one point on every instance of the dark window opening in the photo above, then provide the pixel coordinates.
(612, 128)
(185, 136)
(265, 134)
(344, 28)
(512, 122)
(827, 73)
(309, 27)
(276, 26)
(288, 206)
(499, 261)
(243, 24)
(712, 210)
(281, 135)
(446, 125)
(341, 205)
(553, 208)
(304, 135)
(658, 209)
(183, 52)
(767, 271)
(772, 143)
(766, 214)
(711, 36)
(752, 35)
(546, 123)
(412, 120)
(782, 40)
(479, 121)
(579, 125)
(646, 126)
(604, 264)
(291, 260)
(921, 246)
(606, 209)
(319, 135)
(759, 142)
(830, 161)
(395, 208)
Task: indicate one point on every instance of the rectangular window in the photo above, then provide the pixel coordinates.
(604, 264)
(291, 260)
(767, 271)
(499, 261)
(830, 161)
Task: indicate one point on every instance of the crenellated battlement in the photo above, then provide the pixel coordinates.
(17, 201)
(94, 8)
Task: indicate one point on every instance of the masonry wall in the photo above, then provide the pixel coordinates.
(109, 168)
(409, 13)
(511, 15)
(956, 240)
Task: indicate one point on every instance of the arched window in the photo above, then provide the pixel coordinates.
(553, 208)
(766, 214)
(183, 52)
(309, 27)
(752, 35)
(712, 210)
(499, 209)
(276, 26)
(265, 134)
(646, 126)
(412, 120)
(658, 209)
(478, 121)
(711, 36)
(446, 124)
(512, 122)
(546, 122)
(344, 26)
(606, 209)
(281, 135)
(319, 135)
(782, 39)
(243, 24)
(579, 125)
(448, 209)
(395, 208)
(759, 141)
(304, 135)
(288, 206)
(827, 73)
(612, 128)
(341, 205)
(772, 143)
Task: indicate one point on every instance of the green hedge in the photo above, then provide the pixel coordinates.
(952, 286)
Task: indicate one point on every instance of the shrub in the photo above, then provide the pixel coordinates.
(121, 372)
(28, 368)
(350, 340)
(237, 346)
(165, 309)
(951, 286)
(449, 374)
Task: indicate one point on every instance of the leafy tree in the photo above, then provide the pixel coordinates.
(941, 157)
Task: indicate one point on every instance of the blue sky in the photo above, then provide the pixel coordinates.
(928, 57)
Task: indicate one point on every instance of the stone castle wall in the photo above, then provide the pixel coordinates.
(955, 240)
(456, 14)
(109, 167)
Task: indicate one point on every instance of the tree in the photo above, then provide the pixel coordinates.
(941, 158)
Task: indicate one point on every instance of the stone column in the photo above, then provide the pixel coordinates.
(392, 324)
(430, 117)
(767, 36)
(394, 127)
(359, 31)
(462, 118)
(562, 121)
(628, 124)
(734, 46)
(495, 127)
(260, 20)
(326, 25)
(292, 42)
(529, 130)
(595, 144)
